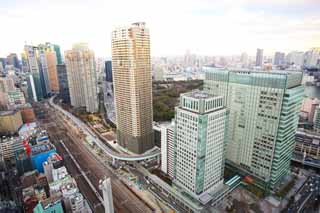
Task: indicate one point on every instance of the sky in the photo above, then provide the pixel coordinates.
(205, 27)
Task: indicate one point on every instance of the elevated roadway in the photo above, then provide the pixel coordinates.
(87, 131)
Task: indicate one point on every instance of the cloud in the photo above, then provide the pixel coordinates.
(203, 26)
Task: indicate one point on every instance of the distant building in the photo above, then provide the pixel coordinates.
(63, 83)
(51, 58)
(58, 53)
(244, 59)
(10, 121)
(295, 58)
(109, 93)
(35, 78)
(264, 109)
(259, 58)
(312, 57)
(131, 69)
(82, 79)
(13, 59)
(309, 107)
(108, 71)
(279, 58)
(199, 144)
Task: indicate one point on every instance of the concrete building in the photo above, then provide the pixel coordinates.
(51, 59)
(316, 119)
(132, 79)
(264, 109)
(12, 59)
(312, 57)
(295, 58)
(105, 186)
(63, 83)
(307, 143)
(82, 79)
(10, 121)
(200, 137)
(308, 108)
(259, 58)
(167, 148)
(8, 147)
(279, 58)
(27, 113)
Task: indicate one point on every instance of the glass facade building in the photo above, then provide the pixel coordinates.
(264, 108)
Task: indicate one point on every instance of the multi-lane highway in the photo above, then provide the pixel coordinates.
(124, 199)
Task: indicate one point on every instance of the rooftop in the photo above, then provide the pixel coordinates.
(197, 94)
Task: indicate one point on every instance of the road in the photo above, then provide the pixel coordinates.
(124, 199)
(119, 156)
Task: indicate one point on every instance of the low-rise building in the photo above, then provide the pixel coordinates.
(10, 121)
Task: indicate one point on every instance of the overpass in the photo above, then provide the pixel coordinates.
(87, 131)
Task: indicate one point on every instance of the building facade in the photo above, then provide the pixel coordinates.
(51, 58)
(200, 137)
(109, 93)
(279, 58)
(264, 112)
(35, 84)
(259, 58)
(167, 148)
(63, 83)
(82, 79)
(132, 80)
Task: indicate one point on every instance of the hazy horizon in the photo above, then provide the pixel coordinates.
(204, 27)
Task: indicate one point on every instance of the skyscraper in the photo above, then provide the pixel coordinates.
(244, 59)
(264, 109)
(63, 83)
(200, 137)
(44, 70)
(278, 58)
(259, 57)
(108, 92)
(58, 53)
(82, 77)
(132, 79)
(31, 54)
(52, 70)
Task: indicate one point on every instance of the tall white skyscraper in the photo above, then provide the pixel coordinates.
(167, 148)
(82, 78)
(200, 136)
(132, 80)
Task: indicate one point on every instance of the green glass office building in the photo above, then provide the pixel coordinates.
(264, 108)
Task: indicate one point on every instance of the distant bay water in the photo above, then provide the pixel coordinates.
(312, 91)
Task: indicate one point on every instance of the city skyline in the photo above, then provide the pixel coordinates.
(236, 27)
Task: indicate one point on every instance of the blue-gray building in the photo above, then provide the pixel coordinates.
(63, 83)
(108, 71)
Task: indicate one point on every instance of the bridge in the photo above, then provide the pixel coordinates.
(87, 131)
